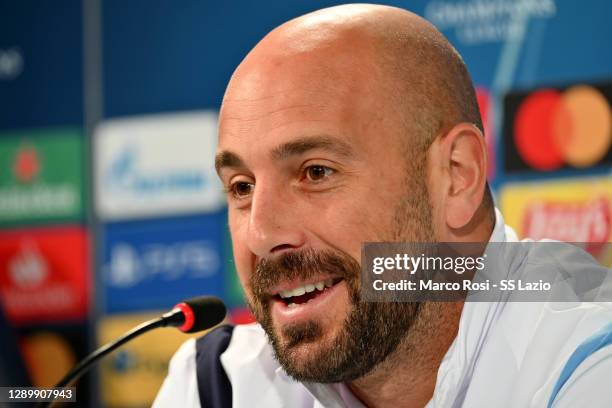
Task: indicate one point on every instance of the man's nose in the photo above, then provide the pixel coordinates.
(275, 224)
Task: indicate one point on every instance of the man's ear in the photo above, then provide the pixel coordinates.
(464, 152)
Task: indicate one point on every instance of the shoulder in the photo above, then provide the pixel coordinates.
(180, 386)
(566, 351)
(198, 351)
(248, 350)
(227, 348)
(236, 366)
(256, 375)
(209, 347)
(196, 375)
(528, 346)
(214, 387)
(585, 377)
(207, 350)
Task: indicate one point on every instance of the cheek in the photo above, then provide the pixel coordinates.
(363, 219)
(242, 257)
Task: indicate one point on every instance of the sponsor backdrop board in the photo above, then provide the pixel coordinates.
(131, 376)
(508, 46)
(154, 264)
(512, 44)
(50, 351)
(241, 315)
(563, 128)
(41, 63)
(485, 103)
(44, 266)
(505, 43)
(44, 274)
(41, 176)
(12, 365)
(571, 210)
(153, 151)
(157, 165)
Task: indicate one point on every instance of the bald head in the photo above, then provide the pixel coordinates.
(398, 52)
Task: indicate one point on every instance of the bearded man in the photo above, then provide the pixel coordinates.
(354, 124)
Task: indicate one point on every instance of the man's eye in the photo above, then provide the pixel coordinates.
(241, 189)
(318, 173)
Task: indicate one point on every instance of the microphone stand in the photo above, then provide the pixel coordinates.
(172, 318)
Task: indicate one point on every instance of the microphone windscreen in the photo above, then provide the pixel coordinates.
(208, 311)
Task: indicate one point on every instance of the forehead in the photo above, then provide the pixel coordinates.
(272, 101)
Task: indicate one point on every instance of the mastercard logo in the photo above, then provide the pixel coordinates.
(554, 128)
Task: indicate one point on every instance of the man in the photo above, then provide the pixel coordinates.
(359, 124)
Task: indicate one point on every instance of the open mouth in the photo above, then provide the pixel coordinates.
(303, 294)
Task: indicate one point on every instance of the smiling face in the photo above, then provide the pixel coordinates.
(354, 124)
(314, 164)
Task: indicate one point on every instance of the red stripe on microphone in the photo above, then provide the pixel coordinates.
(189, 317)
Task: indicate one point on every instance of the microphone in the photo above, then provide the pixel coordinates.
(190, 316)
(196, 314)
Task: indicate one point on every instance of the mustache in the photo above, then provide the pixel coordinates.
(303, 264)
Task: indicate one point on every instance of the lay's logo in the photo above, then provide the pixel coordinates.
(575, 222)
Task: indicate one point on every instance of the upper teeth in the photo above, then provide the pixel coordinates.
(300, 290)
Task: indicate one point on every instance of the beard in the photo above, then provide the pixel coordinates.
(371, 331)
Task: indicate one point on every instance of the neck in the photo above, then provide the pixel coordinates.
(407, 377)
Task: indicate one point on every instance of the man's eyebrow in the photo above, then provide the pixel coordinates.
(227, 159)
(296, 147)
(304, 144)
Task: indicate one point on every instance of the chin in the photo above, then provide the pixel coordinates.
(303, 350)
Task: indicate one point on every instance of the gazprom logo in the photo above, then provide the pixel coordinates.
(124, 174)
(153, 165)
